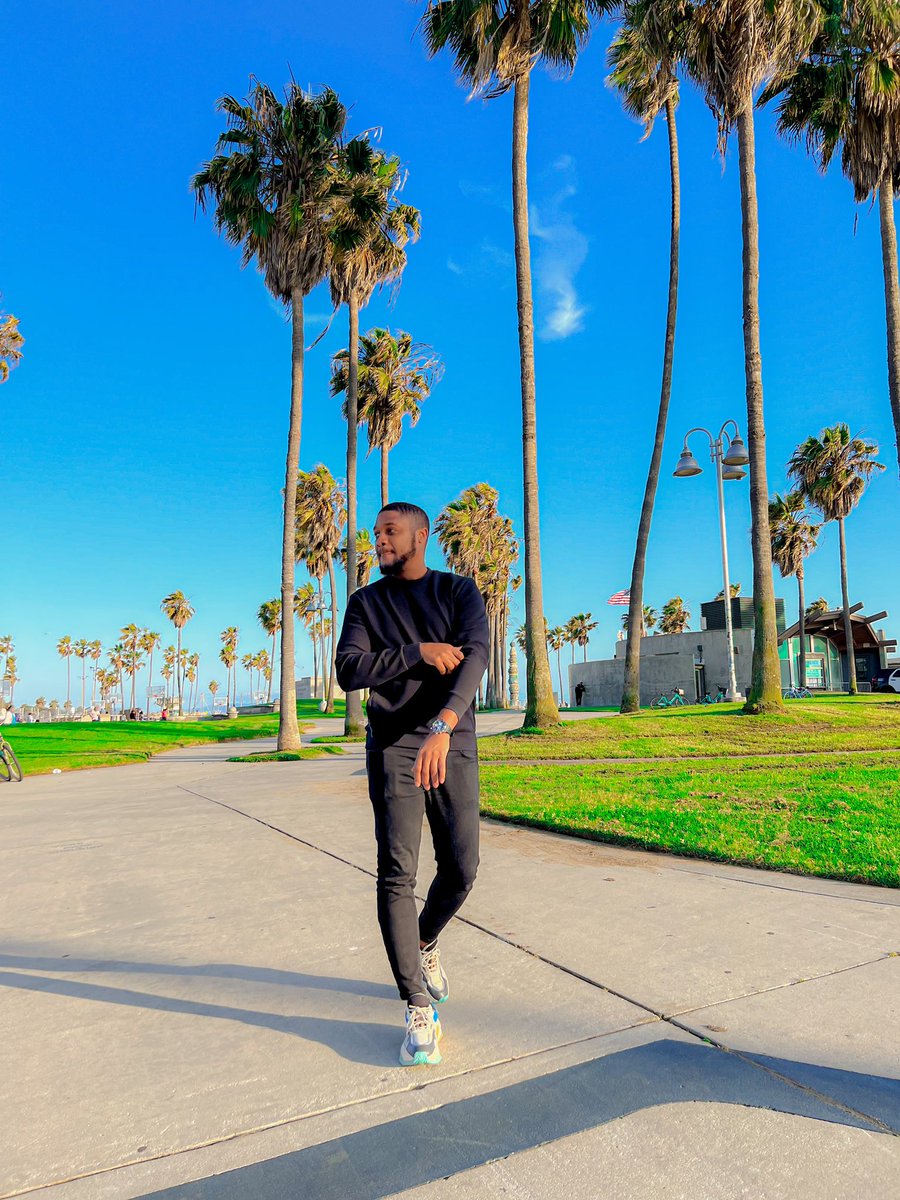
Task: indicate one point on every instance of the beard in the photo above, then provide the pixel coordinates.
(394, 568)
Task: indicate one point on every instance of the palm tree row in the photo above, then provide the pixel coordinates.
(478, 541)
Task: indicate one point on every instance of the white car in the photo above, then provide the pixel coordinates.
(887, 681)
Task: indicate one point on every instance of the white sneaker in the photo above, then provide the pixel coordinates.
(423, 1032)
(433, 975)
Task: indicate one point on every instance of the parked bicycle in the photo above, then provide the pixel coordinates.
(797, 693)
(720, 696)
(10, 771)
(665, 700)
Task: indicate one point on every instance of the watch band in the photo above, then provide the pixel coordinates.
(439, 726)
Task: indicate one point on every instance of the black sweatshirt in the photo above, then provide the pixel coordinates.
(379, 648)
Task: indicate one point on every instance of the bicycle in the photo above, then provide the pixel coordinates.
(797, 693)
(720, 696)
(664, 700)
(10, 771)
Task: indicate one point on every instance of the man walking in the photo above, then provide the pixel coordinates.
(418, 639)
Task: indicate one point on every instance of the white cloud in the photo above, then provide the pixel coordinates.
(454, 267)
(560, 253)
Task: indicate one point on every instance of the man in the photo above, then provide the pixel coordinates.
(418, 639)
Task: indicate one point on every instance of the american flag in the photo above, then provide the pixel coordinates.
(623, 598)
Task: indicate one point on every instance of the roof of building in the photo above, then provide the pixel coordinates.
(831, 623)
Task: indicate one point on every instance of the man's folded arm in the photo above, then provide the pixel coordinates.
(358, 665)
(470, 632)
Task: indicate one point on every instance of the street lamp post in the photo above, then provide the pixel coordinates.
(732, 460)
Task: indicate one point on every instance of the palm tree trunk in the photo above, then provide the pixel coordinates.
(353, 717)
(288, 728)
(179, 675)
(272, 671)
(845, 602)
(540, 708)
(559, 674)
(83, 668)
(802, 662)
(329, 706)
(505, 670)
(149, 682)
(765, 684)
(314, 638)
(133, 681)
(322, 638)
(631, 692)
(68, 680)
(384, 475)
(891, 297)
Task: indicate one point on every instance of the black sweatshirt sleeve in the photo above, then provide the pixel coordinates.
(470, 632)
(358, 666)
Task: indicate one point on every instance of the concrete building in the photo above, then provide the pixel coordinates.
(697, 662)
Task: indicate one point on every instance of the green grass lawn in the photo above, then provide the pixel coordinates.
(71, 745)
(304, 755)
(832, 723)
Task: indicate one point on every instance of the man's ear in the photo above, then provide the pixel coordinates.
(421, 537)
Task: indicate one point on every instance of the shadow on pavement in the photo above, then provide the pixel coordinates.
(420, 1149)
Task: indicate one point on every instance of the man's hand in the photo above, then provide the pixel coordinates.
(431, 761)
(442, 656)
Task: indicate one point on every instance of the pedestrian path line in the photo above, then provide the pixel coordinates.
(824, 1097)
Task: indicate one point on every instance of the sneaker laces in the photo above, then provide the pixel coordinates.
(431, 960)
(420, 1018)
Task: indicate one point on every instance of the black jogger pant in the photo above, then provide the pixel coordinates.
(452, 811)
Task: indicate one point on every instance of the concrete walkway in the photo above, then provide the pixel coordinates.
(195, 1002)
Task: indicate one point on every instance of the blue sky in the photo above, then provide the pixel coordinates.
(144, 432)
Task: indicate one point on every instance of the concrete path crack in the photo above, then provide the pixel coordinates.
(823, 1097)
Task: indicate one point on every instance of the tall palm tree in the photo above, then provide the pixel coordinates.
(82, 649)
(213, 686)
(832, 471)
(845, 95)
(304, 608)
(96, 653)
(6, 648)
(580, 627)
(495, 44)
(818, 606)
(130, 636)
(11, 343)
(148, 642)
(117, 657)
(11, 677)
(269, 617)
(732, 48)
(478, 541)
(321, 512)
(674, 618)
(644, 58)
(394, 376)
(734, 590)
(272, 186)
(368, 232)
(178, 609)
(230, 637)
(793, 538)
(556, 639)
(65, 649)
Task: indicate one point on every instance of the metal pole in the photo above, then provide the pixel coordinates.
(729, 634)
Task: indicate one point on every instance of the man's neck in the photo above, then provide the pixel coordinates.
(413, 571)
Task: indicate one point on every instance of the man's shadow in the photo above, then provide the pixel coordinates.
(428, 1146)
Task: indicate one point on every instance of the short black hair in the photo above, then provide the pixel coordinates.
(419, 515)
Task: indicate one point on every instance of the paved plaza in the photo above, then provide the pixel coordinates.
(195, 1002)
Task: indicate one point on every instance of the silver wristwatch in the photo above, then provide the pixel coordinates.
(439, 726)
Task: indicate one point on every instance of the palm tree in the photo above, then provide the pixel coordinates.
(675, 618)
(177, 608)
(6, 648)
(82, 649)
(495, 44)
(11, 677)
(96, 654)
(845, 95)
(478, 541)
(832, 471)
(649, 618)
(365, 557)
(579, 632)
(117, 658)
(269, 617)
(131, 640)
(11, 342)
(644, 57)
(149, 641)
(734, 590)
(793, 538)
(732, 48)
(272, 186)
(394, 376)
(213, 686)
(368, 232)
(65, 649)
(818, 606)
(321, 512)
(247, 662)
(229, 638)
(304, 608)
(556, 639)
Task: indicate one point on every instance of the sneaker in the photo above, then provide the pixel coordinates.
(433, 975)
(423, 1032)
